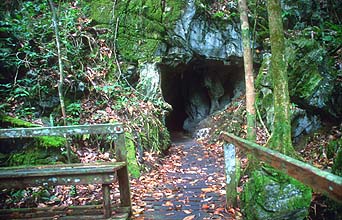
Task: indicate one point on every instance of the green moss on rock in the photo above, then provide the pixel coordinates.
(47, 141)
(11, 122)
(133, 167)
(143, 24)
(274, 195)
(37, 156)
(38, 150)
(44, 142)
(101, 11)
(307, 84)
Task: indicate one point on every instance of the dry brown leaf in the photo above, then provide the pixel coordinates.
(231, 211)
(168, 203)
(207, 190)
(187, 211)
(205, 206)
(190, 217)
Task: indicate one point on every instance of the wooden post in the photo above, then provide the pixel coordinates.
(106, 200)
(230, 171)
(123, 177)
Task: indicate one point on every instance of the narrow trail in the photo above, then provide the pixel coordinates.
(190, 184)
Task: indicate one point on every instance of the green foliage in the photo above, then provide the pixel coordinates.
(220, 10)
(28, 54)
(337, 166)
(42, 150)
(73, 111)
(31, 196)
(101, 11)
(155, 136)
(334, 150)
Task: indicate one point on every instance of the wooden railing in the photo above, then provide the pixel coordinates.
(322, 181)
(104, 173)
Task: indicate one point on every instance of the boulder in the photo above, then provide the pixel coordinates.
(303, 124)
(273, 195)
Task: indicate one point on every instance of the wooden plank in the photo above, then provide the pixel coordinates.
(62, 130)
(66, 174)
(65, 169)
(320, 180)
(123, 177)
(49, 212)
(74, 179)
(117, 216)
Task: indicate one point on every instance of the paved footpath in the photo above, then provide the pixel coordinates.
(191, 184)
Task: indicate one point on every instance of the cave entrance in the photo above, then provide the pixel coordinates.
(197, 89)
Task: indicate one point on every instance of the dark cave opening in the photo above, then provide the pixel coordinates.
(197, 89)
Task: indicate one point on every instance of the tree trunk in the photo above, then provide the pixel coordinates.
(249, 77)
(60, 64)
(61, 78)
(281, 136)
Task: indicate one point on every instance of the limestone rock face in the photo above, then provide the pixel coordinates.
(149, 82)
(195, 34)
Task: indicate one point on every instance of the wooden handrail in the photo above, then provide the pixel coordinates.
(115, 128)
(100, 173)
(322, 181)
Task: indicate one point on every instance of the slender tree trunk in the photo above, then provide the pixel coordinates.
(281, 136)
(60, 64)
(249, 77)
(61, 78)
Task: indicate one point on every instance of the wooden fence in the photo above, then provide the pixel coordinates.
(321, 181)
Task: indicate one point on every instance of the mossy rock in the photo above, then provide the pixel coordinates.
(101, 11)
(143, 24)
(133, 167)
(26, 151)
(274, 195)
(11, 122)
(38, 156)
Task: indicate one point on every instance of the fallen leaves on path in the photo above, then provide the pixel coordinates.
(189, 180)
